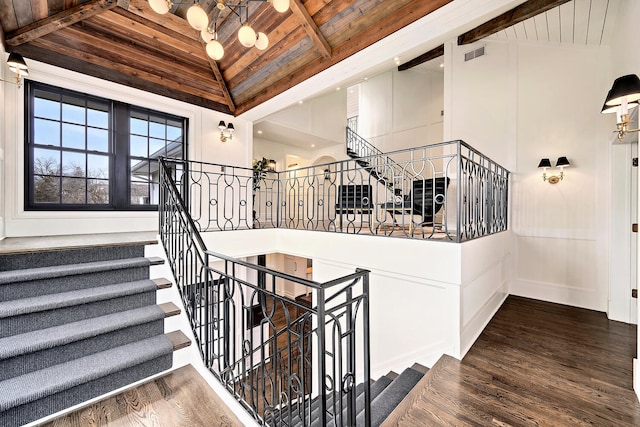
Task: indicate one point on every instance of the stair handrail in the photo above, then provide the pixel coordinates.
(211, 294)
(364, 149)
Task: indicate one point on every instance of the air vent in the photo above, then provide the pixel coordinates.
(474, 54)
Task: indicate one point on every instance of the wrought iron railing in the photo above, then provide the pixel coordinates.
(450, 191)
(287, 362)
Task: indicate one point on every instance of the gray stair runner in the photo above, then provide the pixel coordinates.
(76, 324)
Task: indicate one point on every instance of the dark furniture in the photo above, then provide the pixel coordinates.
(425, 200)
(354, 198)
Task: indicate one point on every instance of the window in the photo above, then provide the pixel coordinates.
(85, 152)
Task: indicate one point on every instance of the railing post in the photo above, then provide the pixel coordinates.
(366, 350)
(322, 361)
(460, 179)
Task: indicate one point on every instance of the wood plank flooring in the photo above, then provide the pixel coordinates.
(536, 364)
(179, 399)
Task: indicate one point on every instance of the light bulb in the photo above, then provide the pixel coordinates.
(280, 5)
(247, 36)
(262, 42)
(160, 6)
(215, 50)
(197, 17)
(207, 35)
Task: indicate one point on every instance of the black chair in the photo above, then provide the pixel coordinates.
(354, 198)
(423, 200)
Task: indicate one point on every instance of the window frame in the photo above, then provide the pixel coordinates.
(118, 152)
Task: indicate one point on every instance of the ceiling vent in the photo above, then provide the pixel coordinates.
(474, 54)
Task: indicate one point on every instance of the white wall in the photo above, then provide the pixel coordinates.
(203, 144)
(3, 108)
(522, 102)
(401, 109)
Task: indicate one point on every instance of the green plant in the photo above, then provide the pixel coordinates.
(260, 169)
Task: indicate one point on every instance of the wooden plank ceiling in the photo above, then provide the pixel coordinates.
(125, 41)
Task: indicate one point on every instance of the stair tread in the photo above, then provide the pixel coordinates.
(420, 368)
(155, 260)
(163, 283)
(178, 340)
(39, 273)
(392, 395)
(76, 297)
(169, 309)
(39, 384)
(42, 339)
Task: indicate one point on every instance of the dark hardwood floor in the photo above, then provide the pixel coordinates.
(181, 398)
(536, 364)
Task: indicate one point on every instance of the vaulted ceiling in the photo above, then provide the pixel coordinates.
(126, 42)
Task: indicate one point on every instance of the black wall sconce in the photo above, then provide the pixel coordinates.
(271, 165)
(226, 131)
(561, 163)
(18, 67)
(624, 95)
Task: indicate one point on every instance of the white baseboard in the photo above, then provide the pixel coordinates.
(472, 330)
(551, 292)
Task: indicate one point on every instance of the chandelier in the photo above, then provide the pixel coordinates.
(199, 20)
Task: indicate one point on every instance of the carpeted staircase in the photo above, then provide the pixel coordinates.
(76, 324)
(386, 394)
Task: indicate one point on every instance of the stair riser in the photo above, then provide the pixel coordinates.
(32, 411)
(25, 363)
(33, 321)
(54, 285)
(69, 256)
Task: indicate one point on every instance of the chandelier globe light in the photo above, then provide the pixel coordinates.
(161, 6)
(262, 41)
(197, 17)
(215, 50)
(280, 5)
(247, 36)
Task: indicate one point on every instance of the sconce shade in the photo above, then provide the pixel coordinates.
(609, 109)
(222, 125)
(16, 63)
(544, 163)
(230, 128)
(562, 162)
(626, 86)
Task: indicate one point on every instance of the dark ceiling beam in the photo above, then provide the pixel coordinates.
(520, 13)
(427, 56)
(310, 27)
(223, 85)
(60, 20)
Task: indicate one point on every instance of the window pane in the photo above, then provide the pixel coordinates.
(98, 166)
(138, 146)
(46, 162)
(46, 108)
(46, 132)
(98, 140)
(139, 127)
(74, 190)
(157, 129)
(98, 191)
(140, 182)
(73, 113)
(97, 114)
(73, 164)
(156, 148)
(46, 189)
(73, 136)
(174, 133)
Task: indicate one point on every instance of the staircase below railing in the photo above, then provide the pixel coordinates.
(286, 362)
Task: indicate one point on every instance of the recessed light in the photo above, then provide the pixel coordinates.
(300, 102)
(397, 58)
(442, 65)
(260, 132)
(313, 145)
(338, 88)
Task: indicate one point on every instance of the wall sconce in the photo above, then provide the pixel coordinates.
(226, 131)
(19, 67)
(561, 163)
(327, 175)
(271, 165)
(624, 94)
